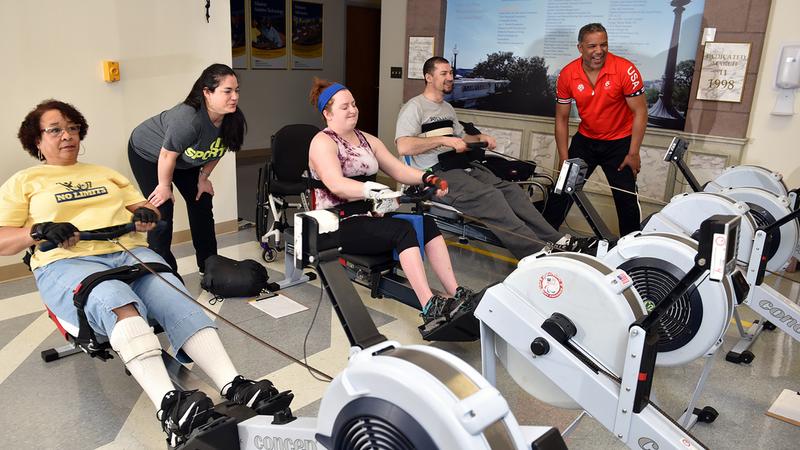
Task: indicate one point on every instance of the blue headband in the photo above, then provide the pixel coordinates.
(326, 94)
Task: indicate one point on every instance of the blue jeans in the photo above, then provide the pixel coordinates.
(179, 316)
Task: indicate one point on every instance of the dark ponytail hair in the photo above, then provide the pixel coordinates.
(234, 125)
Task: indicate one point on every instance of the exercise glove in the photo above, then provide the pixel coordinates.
(373, 190)
(55, 232)
(145, 215)
(384, 200)
(429, 179)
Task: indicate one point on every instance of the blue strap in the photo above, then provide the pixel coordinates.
(416, 221)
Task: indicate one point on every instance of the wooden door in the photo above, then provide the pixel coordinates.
(362, 63)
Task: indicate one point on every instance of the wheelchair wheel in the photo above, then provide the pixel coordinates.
(262, 204)
(269, 254)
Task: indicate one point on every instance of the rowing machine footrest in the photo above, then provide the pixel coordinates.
(462, 326)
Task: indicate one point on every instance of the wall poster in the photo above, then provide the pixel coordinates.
(268, 34)
(306, 35)
(238, 35)
(507, 54)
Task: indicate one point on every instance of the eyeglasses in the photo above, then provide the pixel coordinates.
(58, 131)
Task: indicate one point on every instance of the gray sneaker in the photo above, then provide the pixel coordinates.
(464, 297)
(437, 307)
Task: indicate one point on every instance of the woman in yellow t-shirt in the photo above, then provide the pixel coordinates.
(55, 199)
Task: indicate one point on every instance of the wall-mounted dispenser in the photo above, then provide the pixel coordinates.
(787, 80)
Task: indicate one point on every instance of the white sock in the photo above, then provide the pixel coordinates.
(147, 369)
(205, 348)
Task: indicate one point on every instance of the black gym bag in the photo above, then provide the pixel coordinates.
(225, 277)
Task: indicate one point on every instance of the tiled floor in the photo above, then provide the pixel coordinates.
(81, 403)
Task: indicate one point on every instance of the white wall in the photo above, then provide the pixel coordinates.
(271, 99)
(54, 49)
(274, 98)
(775, 140)
(393, 35)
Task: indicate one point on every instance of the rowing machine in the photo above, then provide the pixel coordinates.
(594, 352)
(390, 396)
(732, 176)
(764, 193)
(766, 210)
(695, 325)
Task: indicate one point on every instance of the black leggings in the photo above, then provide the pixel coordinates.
(364, 235)
(201, 216)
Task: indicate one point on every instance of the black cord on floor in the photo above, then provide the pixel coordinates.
(308, 332)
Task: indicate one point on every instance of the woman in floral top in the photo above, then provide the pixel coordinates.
(337, 155)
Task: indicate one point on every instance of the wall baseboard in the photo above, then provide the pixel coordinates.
(19, 270)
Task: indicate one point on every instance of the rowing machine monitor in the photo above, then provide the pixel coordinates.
(675, 154)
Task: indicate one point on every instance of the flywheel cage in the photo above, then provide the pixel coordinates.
(653, 280)
(372, 433)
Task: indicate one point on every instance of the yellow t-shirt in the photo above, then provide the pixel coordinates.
(86, 195)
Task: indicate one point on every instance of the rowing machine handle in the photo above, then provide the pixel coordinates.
(431, 180)
(102, 235)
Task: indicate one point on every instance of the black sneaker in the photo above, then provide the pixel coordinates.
(261, 396)
(579, 245)
(181, 412)
(438, 307)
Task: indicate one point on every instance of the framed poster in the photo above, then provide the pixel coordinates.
(238, 35)
(517, 49)
(723, 71)
(306, 35)
(419, 50)
(268, 34)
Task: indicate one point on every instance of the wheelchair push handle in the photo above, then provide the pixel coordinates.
(102, 234)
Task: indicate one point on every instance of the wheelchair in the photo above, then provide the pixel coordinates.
(282, 177)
